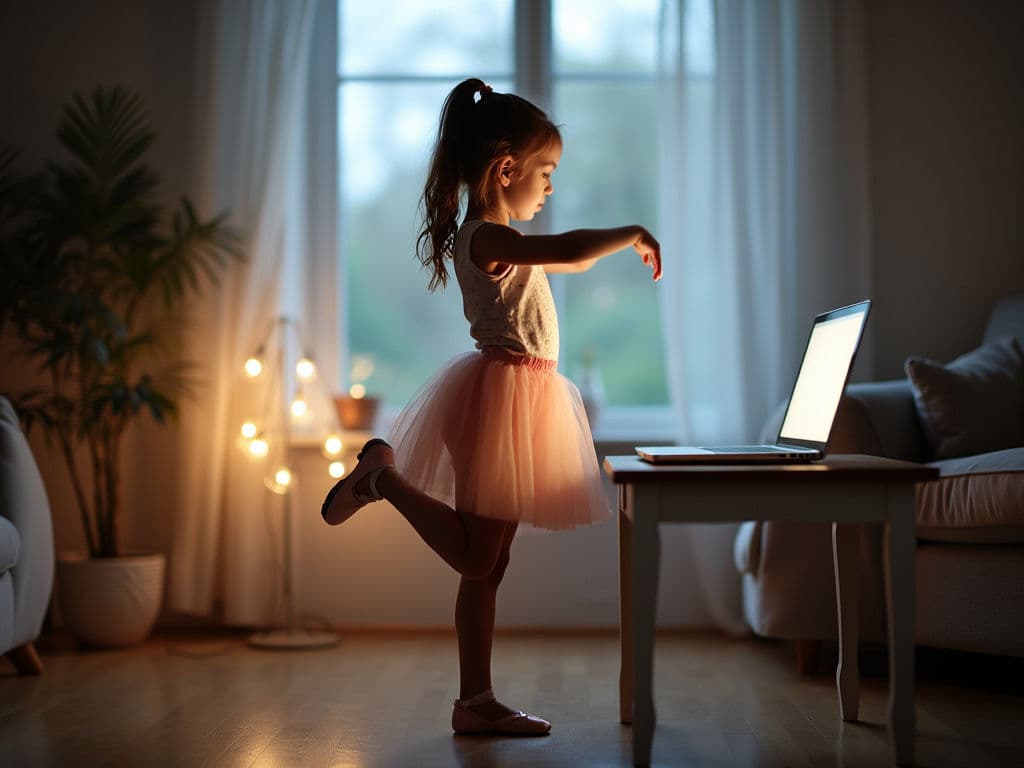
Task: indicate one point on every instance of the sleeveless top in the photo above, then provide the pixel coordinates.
(513, 309)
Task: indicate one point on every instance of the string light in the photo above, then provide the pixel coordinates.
(259, 448)
(332, 446)
(305, 369)
(357, 391)
(253, 367)
(280, 481)
(299, 407)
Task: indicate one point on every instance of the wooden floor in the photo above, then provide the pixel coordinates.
(385, 700)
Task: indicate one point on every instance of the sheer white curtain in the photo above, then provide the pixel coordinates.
(764, 220)
(254, 131)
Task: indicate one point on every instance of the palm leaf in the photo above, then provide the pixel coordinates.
(107, 135)
(195, 246)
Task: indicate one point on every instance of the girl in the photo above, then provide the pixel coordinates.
(498, 437)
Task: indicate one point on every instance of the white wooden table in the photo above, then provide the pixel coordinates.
(843, 490)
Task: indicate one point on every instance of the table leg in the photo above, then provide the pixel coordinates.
(625, 614)
(646, 556)
(899, 592)
(846, 561)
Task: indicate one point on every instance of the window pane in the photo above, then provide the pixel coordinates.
(394, 77)
(398, 59)
(411, 37)
(387, 133)
(386, 136)
(606, 176)
(612, 36)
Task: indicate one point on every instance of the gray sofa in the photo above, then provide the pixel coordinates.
(26, 546)
(970, 521)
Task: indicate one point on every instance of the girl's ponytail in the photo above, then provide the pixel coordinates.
(436, 240)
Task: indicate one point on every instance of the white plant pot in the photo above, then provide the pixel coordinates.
(110, 601)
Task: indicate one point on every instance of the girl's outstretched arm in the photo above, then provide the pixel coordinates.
(495, 245)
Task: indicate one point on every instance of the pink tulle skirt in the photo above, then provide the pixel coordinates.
(505, 437)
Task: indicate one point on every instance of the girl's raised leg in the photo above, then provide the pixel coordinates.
(469, 544)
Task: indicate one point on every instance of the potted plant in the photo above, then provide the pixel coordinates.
(92, 275)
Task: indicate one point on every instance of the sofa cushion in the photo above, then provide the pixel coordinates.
(9, 544)
(976, 499)
(975, 404)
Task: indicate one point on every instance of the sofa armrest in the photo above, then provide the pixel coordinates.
(883, 421)
(877, 418)
(23, 501)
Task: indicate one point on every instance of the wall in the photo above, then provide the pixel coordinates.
(50, 50)
(944, 140)
(945, 121)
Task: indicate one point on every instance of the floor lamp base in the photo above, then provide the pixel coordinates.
(293, 639)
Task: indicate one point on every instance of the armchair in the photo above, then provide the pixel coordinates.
(26, 546)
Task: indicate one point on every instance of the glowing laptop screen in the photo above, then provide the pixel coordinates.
(822, 377)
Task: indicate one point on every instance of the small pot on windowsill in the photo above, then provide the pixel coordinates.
(356, 413)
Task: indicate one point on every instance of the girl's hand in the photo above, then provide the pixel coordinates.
(649, 251)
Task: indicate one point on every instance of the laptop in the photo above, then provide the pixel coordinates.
(820, 382)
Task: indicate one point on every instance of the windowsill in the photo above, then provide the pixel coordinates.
(635, 424)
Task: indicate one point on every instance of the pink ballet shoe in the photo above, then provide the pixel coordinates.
(343, 500)
(465, 720)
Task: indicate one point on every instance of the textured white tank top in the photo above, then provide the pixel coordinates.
(514, 309)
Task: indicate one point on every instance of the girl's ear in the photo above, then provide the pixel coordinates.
(506, 170)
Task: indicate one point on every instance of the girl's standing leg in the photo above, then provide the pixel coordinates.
(478, 549)
(474, 624)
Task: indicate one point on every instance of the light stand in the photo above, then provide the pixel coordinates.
(291, 637)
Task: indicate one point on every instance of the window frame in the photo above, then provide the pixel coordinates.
(535, 78)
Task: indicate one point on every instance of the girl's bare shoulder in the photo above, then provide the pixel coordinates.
(493, 247)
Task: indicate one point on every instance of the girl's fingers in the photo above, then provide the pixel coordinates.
(650, 254)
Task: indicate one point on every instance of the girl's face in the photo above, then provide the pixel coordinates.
(525, 185)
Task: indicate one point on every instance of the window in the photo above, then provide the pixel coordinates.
(594, 66)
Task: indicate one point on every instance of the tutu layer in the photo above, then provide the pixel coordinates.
(505, 438)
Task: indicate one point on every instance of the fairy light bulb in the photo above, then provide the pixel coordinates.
(253, 367)
(357, 391)
(279, 481)
(299, 407)
(332, 446)
(305, 369)
(336, 469)
(259, 448)
(249, 430)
